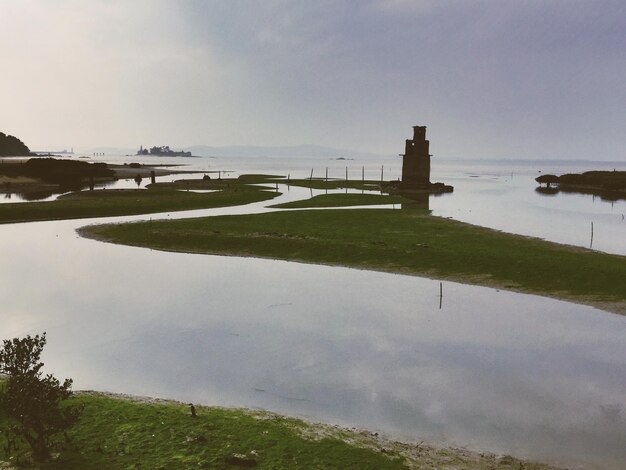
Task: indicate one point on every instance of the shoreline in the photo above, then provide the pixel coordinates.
(415, 454)
(121, 171)
(485, 279)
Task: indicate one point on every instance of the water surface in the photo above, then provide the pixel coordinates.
(492, 370)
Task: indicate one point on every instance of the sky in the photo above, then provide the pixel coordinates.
(490, 79)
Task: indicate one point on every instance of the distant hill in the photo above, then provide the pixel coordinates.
(10, 145)
(283, 151)
(314, 151)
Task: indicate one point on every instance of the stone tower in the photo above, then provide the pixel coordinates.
(416, 160)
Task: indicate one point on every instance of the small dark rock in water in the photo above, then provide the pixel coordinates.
(206, 177)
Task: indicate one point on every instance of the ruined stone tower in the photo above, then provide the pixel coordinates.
(416, 160)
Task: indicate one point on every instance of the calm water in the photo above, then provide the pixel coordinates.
(495, 194)
(491, 370)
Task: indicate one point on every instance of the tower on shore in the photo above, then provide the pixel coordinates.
(416, 160)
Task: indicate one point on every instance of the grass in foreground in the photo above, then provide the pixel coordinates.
(409, 242)
(159, 197)
(116, 433)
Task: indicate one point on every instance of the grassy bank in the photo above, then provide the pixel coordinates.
(166, 197)
(410, 242)
(323, 183)
(343, 200)
(116, 433)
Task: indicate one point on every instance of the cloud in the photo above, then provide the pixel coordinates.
(489, 78)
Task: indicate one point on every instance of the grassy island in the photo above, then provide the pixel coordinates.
(117, 432)
(343, 200)
(408, 242)
(159, 197)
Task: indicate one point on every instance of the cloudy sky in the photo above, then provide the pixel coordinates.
(490, 79)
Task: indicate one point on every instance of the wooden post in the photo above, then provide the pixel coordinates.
(327, 176)
(362, 180)
(591, 242)
(440, 294)
(311, 177)
(152, 176)
(346, 173)
(382, 172)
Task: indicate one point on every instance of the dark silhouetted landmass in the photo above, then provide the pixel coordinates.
(56, 171)
(163, 151)
(610, 185)
(38, 178)
(12, 146)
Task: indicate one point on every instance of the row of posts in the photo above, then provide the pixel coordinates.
(382, 174)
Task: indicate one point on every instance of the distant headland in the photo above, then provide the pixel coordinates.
(12, 146)
(163, 151)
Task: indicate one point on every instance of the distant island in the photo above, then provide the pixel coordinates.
(12, 146)
(609, 185)
(163, 151)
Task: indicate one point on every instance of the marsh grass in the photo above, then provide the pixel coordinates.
(343, 200)
(160, 197)
(121, 432)
(118, 433)
(409, 242)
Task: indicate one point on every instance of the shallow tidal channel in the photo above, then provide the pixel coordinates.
(489, 369)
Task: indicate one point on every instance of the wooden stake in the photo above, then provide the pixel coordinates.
(311, 177)
(440, 294)
(591, 242)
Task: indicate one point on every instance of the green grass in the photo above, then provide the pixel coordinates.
(321, 183)
(166, 197)
(410, 242)
(116, 433)
(339, 200)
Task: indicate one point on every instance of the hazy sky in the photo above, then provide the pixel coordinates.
(497, 78)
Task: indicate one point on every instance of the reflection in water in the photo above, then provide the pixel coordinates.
(608, 196)
(419, 201)
(546, 191)
(53, 194)
(493, 370)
